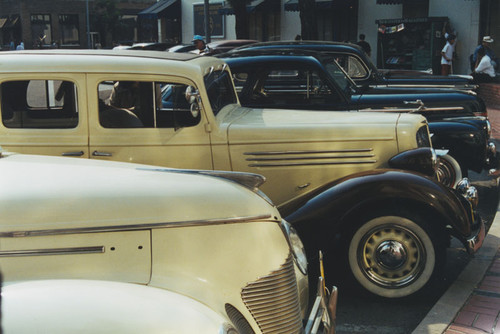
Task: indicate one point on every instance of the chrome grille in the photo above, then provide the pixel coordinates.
(273, 301)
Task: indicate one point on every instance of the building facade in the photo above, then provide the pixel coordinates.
(68, 23)
(418, 27)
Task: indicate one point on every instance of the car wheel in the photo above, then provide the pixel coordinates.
(449, 171)
(394, 256)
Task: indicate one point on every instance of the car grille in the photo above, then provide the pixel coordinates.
(274, 302)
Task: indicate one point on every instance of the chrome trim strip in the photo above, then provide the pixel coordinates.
(314, 163)
(313, 158)
(97, 229)
(358, 150)
(410, 110)
(53, 251)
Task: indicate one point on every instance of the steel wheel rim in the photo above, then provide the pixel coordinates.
(396, 270)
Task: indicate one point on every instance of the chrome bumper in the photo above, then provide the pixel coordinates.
(476, 241)
(324, 310)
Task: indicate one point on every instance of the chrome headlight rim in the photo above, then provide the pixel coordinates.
(296, 246)
(227, 328)
(468, 191)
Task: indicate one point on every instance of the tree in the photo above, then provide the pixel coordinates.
(241, 16)
(309, 29)
(106, 20)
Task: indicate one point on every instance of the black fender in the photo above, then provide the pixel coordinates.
(466, 141)
(328, 212)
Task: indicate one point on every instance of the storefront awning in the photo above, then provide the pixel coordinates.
(227, 9)
(293, 5)
(158, 10)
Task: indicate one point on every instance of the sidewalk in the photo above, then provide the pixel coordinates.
(472, 304)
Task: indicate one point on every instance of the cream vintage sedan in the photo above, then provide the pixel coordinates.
(331, 173)
(211, 237)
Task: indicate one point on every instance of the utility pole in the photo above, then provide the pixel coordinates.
(88, 25)
(207, 20)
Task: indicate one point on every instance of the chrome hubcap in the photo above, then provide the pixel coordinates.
(391, 256)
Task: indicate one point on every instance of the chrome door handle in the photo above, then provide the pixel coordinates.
(73, 154)
(101, 154)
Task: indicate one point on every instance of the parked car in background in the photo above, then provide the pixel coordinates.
(364, 72)
(222, 46)
(182, 48)
(322, 167)
(308, 80)
(212, 239)
(215, 47)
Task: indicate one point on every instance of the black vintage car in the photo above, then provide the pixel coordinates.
(364, 72)
(310, 80)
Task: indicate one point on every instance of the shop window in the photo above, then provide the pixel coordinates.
(68, 24)
(39, 104)
(265, 25)
(41, 29)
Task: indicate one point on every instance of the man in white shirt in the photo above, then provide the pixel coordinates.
(484, 71)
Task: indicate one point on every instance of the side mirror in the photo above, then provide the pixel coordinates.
(192, 97)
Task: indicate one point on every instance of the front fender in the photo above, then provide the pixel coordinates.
(466, 142)
(328, 210)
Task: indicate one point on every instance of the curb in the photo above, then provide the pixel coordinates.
(446, 309)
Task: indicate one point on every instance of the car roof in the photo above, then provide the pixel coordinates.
(316, 45)
(107, 61)
(274, 59)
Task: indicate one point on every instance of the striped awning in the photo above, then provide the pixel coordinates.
(157, 10)
(227, 9)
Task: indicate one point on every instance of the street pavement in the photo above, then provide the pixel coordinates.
(471, 305)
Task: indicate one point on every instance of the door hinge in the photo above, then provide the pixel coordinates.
(208, 127)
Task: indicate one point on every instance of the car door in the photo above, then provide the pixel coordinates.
(44, 114)
(146, 119)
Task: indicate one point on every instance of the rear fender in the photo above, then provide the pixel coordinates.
(328, 212)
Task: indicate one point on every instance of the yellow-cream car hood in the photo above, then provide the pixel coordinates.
(53, 192)
(264, 125)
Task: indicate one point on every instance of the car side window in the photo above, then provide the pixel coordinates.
(352, 66)
(39, 104)
(144, 104)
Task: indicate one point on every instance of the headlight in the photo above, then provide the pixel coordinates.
(296, 245)
(227, 329)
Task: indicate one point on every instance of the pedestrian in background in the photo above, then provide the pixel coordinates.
(364, 45)
(486, 45)
(201, 46)
(447, 55)
(484, 71)
(20, 46)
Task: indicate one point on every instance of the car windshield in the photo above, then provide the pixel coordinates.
(339, 76)
(220, 90)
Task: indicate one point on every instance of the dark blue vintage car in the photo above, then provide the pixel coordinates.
(310, 80)
(364, 72)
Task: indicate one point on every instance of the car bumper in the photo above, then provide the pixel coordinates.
(492, 159)
(323, 313)
(476, 240)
